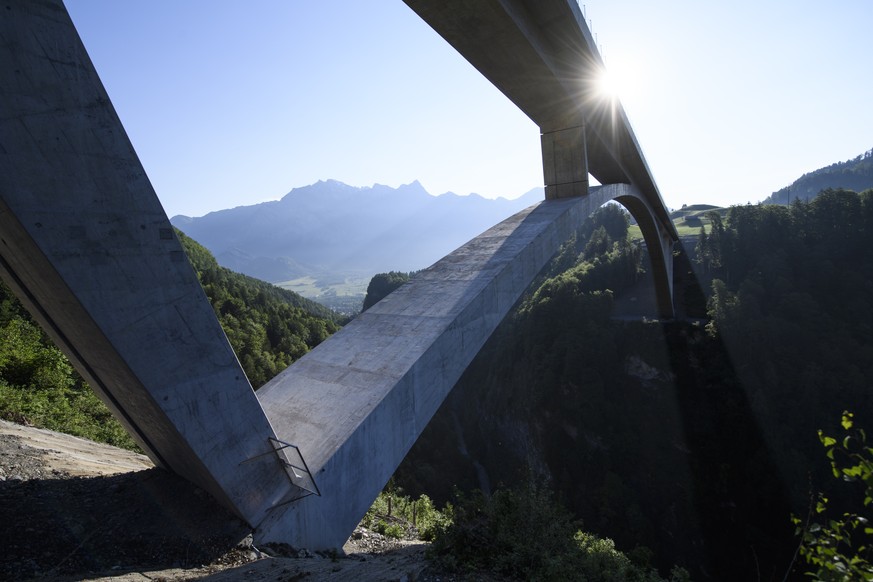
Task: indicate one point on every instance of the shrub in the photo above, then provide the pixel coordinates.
(527, 535)
(841, 548)
(396, 515)
(39, 387)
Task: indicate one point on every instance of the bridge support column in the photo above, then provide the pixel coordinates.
(565, 162)
(87, 247)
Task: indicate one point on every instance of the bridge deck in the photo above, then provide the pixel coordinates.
(541, 55)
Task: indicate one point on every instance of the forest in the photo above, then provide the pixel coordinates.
(268, 327)
(695, 439)
(692, 442)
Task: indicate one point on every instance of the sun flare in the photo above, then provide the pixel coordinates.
(606, 85)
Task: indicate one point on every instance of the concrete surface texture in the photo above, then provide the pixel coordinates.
(85, 243)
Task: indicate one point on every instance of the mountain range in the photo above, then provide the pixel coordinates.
(331, 230)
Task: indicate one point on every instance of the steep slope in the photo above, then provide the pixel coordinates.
(697, 441)
(268, 327)
(331, 228)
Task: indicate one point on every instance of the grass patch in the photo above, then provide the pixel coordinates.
(399, 516)
(74, 411)
(687, 220)
(314, 287)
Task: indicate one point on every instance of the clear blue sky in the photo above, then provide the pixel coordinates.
(233, 103)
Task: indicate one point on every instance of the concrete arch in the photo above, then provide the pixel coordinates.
(399, 360)
(658, 242)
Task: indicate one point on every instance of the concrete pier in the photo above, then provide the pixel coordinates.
(87, 247)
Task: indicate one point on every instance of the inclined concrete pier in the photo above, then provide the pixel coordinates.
(357, 403)
(86, 245)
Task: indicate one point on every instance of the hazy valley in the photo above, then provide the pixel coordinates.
(325, 241)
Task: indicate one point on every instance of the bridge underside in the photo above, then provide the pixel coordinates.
(541, 55)
(85, 244)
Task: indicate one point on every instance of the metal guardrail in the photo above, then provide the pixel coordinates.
(295, 468)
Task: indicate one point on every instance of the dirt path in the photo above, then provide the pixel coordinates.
(71, 509)
(73, 456)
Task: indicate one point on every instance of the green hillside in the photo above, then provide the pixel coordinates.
(207, 266)
(268, 328)
(688, 220)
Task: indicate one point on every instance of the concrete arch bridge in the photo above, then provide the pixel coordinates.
(86, 245)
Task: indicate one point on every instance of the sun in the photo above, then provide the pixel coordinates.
(606, 86)
(623, 82)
